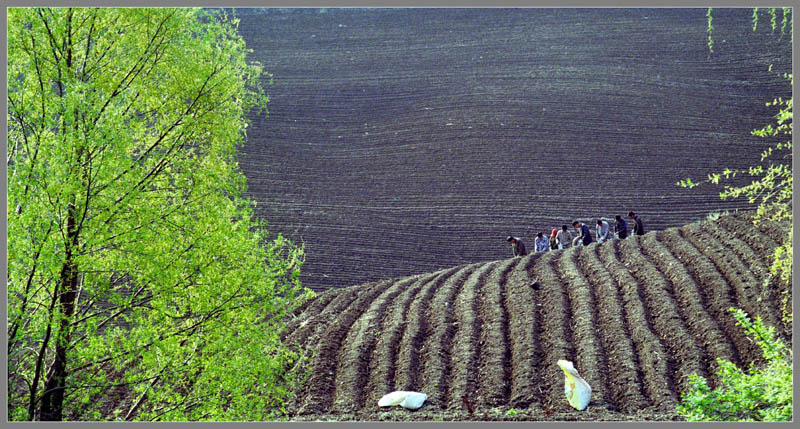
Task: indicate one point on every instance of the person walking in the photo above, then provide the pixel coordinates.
(542, 243)
(553, 240)
(638, 227)
(584, 237)
(620, 227)
(517, 246)
(603, 231)
(564, 238)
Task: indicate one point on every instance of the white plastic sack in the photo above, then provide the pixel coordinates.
(406, 399)
(576, 389)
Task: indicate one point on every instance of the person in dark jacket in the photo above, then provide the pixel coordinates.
(583, 232)
(638, 228)
(517, 246)
(620, 227)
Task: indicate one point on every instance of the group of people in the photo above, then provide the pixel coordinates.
(563, 239)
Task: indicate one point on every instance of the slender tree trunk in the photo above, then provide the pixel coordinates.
(53, 396)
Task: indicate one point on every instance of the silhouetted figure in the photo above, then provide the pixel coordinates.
(620, 227)
(517, 246)
(638, 228)
(584, 235)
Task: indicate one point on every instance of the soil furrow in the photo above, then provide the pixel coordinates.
(310, 328)
(763, 245)
(744, 282)
(437, 351)
(408, 363)
(664, 312)
(715, 288)
(656, 364)
(310, 309)
(625, 379)
(768, 295)
(494, 366)
(743, 250)
(319, 387)
(357, 348)
(524, 329)
(382, 363)
(770, 228)
(589, 360)
(691, 305)
(463, 378)
(555, 336)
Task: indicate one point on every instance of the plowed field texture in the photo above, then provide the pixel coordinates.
(636, 316)
(405, 141)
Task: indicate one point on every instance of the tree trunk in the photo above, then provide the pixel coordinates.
(53, 396)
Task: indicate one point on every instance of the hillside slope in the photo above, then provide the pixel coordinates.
(405, 141)
(636, 316)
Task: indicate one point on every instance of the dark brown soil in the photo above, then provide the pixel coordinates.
(405, 141)
(635, 316)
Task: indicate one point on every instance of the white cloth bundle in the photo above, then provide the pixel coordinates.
(406, 399)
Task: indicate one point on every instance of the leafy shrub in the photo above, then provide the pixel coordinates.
(760, 394)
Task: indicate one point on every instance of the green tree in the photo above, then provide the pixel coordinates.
(760, 394)
(765, 393)
(771, 187)
(134, 261)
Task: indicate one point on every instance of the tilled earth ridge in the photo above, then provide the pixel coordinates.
(636, 316)
(405, 141)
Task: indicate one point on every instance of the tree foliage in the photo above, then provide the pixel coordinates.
(136, 269)
(771, 187)
(760, 394)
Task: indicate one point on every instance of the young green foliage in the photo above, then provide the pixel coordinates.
(134, 261)
(760, 394)
(771, 187)
(709, 30)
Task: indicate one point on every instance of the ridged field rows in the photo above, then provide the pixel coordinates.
(656, 362)
(525, 327)
(309, 309)
(734, 270)
(589, 357)
(768, 296)
(382, 363)
(437, 350)
(664, 313)
(556, 338)
(318, 388)
(764, 246)
(691, 304)
(716, 290)
(624, 377)
(494, 365)
(775, 231)
(635, 316)
(356, 351)
(743, 250)
(328, 304)
(744, 230)
(463, 378)
(408, 359)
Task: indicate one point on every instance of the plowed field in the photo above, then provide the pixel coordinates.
(636, 316)
(405, 141)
